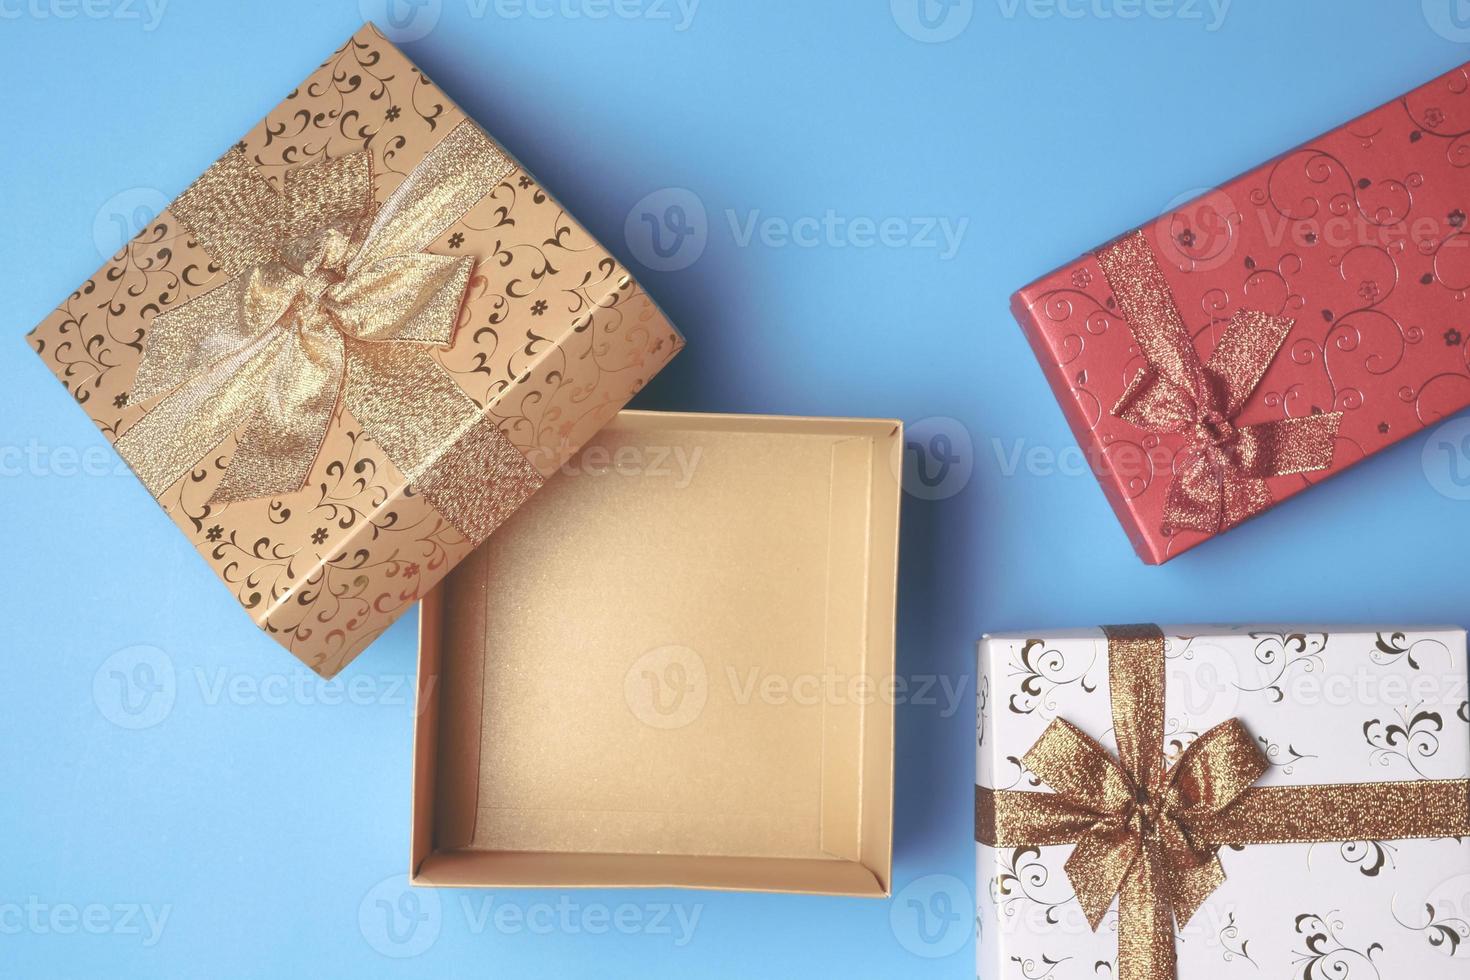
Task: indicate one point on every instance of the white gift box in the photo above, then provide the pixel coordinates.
(1326, 706)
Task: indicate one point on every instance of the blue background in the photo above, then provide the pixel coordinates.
(269, 824)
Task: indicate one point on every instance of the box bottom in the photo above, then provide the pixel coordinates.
(665, 669)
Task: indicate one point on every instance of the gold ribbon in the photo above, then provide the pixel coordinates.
(1222, 479)
(1151, 835)
(331, 302)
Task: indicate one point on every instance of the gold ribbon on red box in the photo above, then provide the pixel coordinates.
(1221, 479)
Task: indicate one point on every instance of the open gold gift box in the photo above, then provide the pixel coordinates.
(667, 668)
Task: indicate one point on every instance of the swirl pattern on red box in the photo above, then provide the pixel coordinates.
(1359, 236)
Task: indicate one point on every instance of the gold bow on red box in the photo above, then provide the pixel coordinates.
(1221, 479)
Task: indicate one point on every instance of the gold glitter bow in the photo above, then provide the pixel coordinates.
(1221, 480)
(332, 302)
(1151, 835)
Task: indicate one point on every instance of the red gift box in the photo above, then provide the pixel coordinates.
(1273, 332)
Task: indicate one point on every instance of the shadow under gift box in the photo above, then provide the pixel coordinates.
(1354, 245)
(351, 348)
(688, 691)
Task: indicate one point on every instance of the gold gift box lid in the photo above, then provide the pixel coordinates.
(352, 348)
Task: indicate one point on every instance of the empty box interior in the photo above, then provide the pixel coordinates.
(669, 667)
